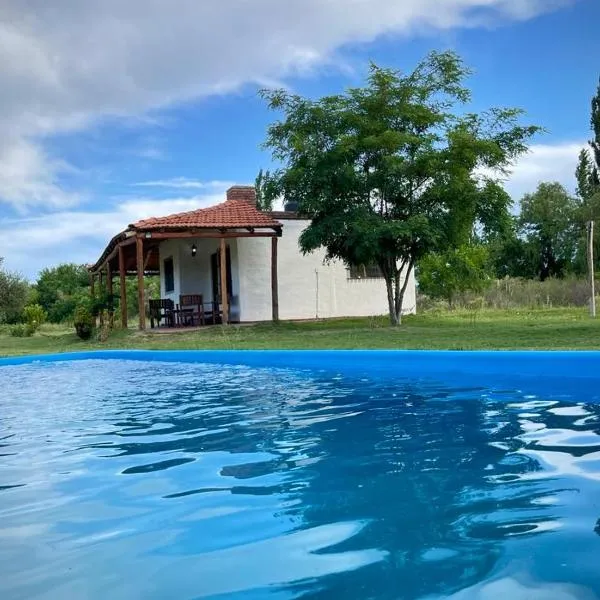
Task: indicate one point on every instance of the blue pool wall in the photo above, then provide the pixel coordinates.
(572, 373)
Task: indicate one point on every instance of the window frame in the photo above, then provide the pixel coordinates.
(358, 272)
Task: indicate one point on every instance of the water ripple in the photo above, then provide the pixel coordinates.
(214, 481)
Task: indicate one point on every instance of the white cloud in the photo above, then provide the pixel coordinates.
(28, 176)
(66, 63)
(183, 183)
(30, 244)
(544, 162)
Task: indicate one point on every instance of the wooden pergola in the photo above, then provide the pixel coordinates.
(135, 251)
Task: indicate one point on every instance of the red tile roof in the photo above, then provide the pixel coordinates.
(232, 214)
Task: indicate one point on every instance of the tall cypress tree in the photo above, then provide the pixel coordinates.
(588, 167)
(595, 142)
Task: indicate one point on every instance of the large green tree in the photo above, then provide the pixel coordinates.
(588, 167)
(394, 170)
(14, 293)
(587, 175)
(264, 201)
(61, 288)
(549, 228)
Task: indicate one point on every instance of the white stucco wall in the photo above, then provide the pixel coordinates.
(308, 288)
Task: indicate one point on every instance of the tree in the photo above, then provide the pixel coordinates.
(14, 292)
(548, 223)
(264, 201)
(392, 171)
(595, 142)
(588, 187)
(60, 289)
(584, 175)
(447, 274)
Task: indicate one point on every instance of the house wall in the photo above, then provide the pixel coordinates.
(308, 288)
(193, 273)
(167, 249)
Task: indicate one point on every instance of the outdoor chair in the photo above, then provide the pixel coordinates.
(191, 309)
(162, 309)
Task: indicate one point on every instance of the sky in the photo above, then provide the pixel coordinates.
(116, 110)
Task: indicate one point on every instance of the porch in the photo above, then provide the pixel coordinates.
(195, 254)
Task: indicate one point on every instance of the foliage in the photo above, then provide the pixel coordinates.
(390, 172)
(34, 316)
(595, 141)
(21, 330)
(264, 201)
(455, 271)
(83, 321)
(513, 256)
(14, 291)
(514, 293)
(60, 289)
(584, 174)
(548, 224)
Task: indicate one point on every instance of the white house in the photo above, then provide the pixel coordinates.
(255, 253)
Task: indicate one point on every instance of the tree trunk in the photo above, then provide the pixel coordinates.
(391, 303)
(396, 292)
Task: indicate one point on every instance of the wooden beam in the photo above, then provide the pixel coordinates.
(224, 296)
(123, 284)
(139, 247)
(115, 251)
(274, 282)
(159, 235)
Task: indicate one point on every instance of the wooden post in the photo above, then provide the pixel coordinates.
(102, 289)
(224, 292)
(109, 281)
(590, 253)
(139, 247)
(123, 286)
(109, 290)
(92, 284)
(274, 283)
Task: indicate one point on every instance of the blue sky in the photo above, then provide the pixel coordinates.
(115, 111)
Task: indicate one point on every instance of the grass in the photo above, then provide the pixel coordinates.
(552, 329)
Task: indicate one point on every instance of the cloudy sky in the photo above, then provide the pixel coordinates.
(115, 110)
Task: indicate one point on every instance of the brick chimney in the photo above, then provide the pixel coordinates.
(243, 193)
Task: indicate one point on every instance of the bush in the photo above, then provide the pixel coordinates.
(34, 316)
(21, 331)
(13, 296)
(515, 293)
(84, 322)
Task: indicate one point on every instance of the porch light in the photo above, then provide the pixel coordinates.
(194, 249)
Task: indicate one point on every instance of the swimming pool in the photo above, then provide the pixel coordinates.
(300, 474)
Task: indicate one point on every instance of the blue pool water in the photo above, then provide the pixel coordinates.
(340, 476)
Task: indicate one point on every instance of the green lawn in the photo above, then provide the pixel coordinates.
(464, 330)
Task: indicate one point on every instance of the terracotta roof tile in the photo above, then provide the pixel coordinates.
(231, 214)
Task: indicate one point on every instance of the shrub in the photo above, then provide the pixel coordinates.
(84, 322)
(34, 316)
(21, 330)
(13, 296)
(515, 293)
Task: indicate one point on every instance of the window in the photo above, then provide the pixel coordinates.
(169, 275)
(365, 272)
